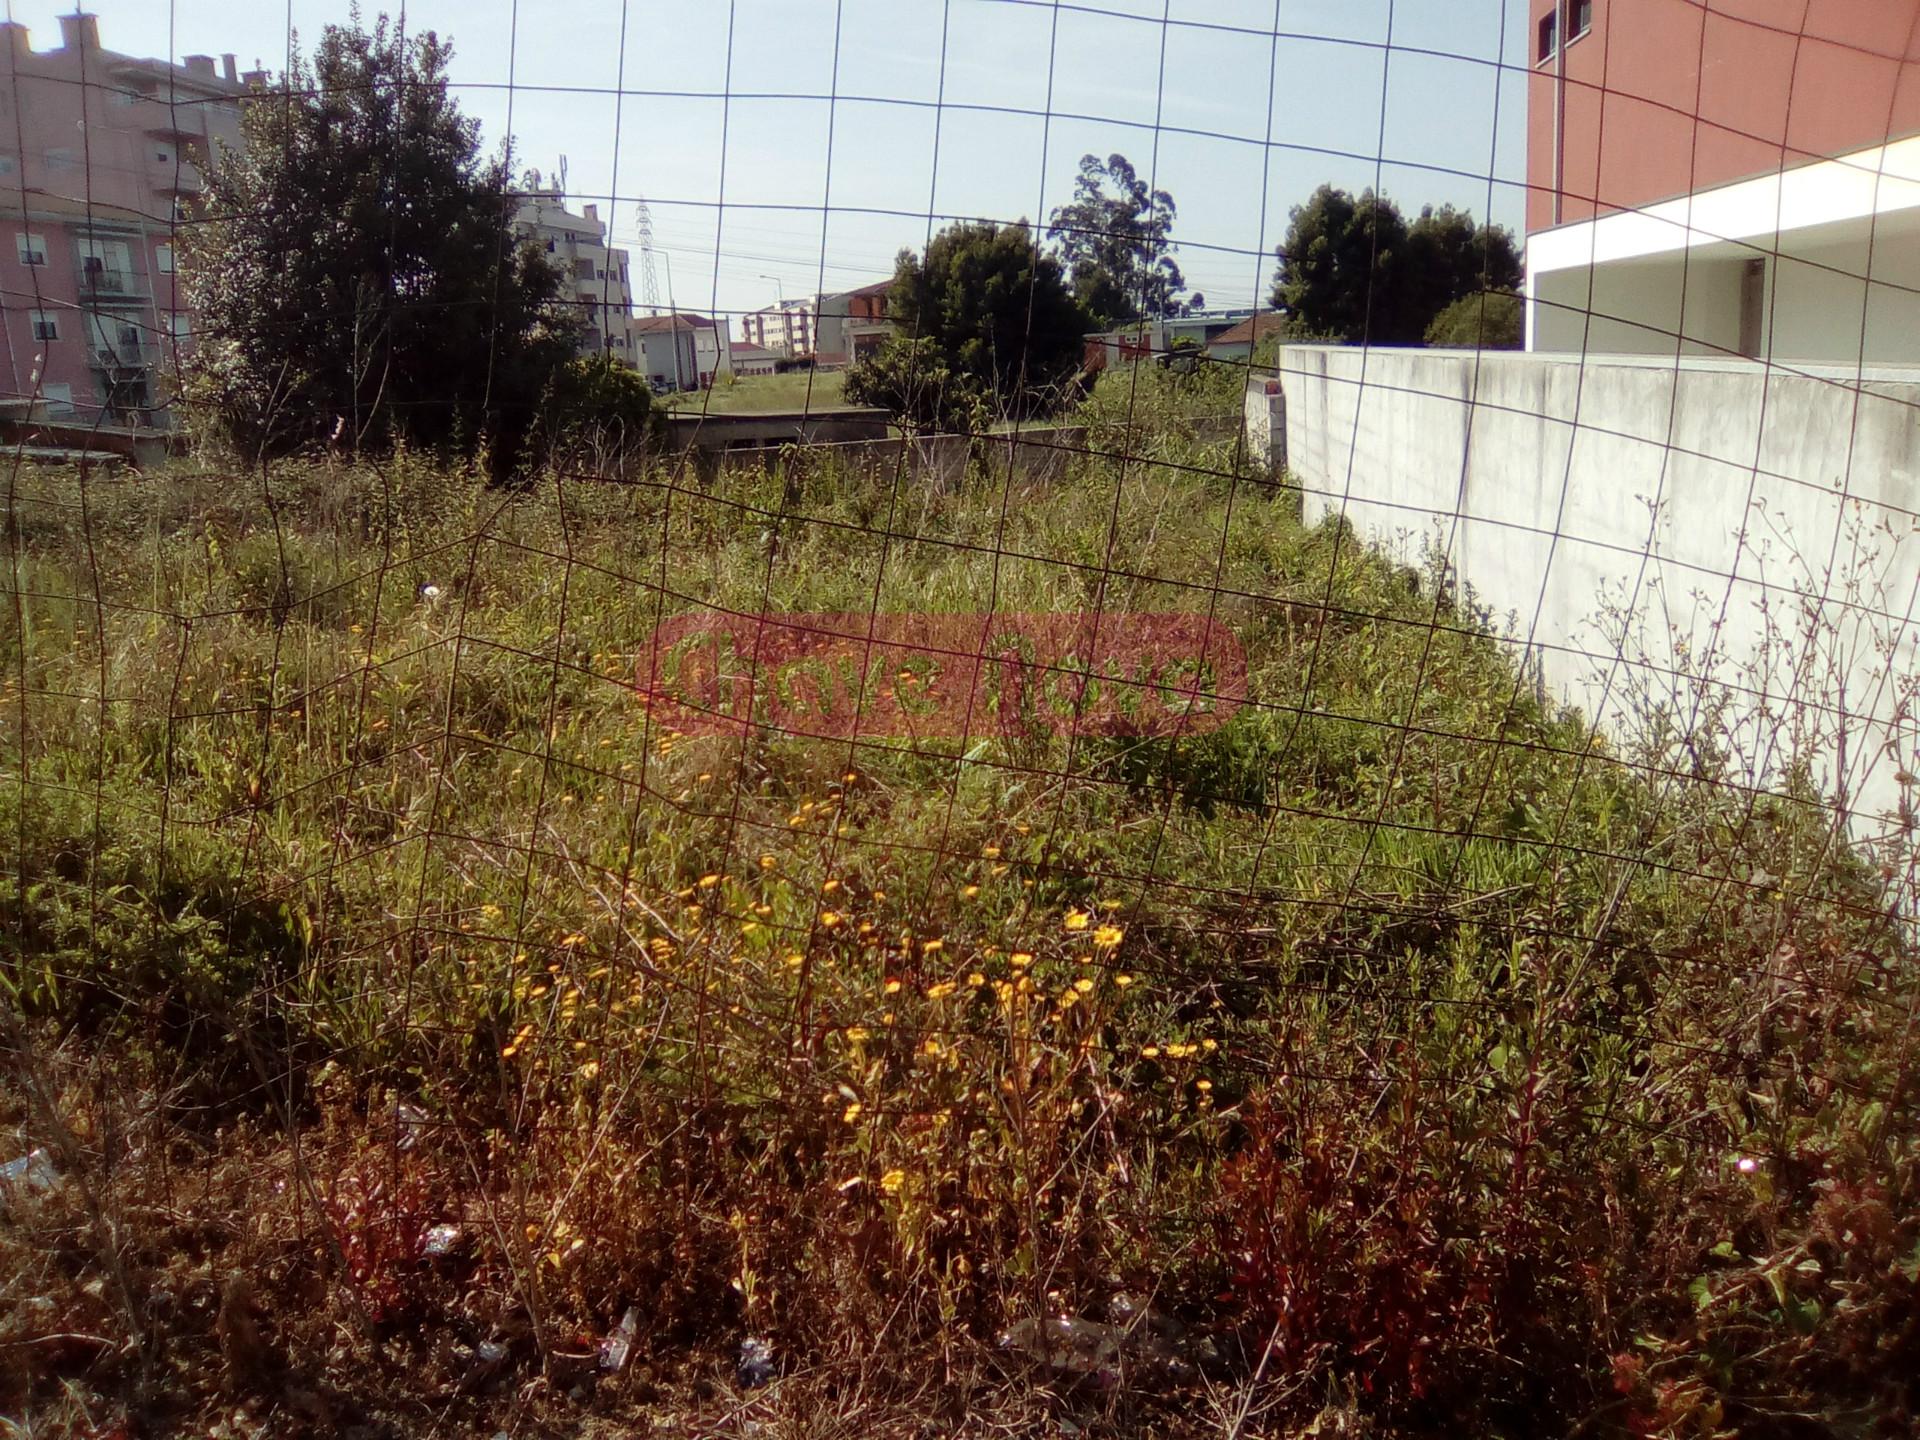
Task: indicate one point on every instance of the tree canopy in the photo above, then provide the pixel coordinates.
(356, 274)
(993, 309)
(1354, 269)
(1115, 238)
(1489, 321)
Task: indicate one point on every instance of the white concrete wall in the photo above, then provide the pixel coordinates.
(1632, 522)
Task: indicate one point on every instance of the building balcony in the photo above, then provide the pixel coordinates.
(184, 127)
(122, 358)
(111, 285)
(180, 177)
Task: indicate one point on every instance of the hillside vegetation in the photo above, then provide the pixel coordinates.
(1427, 1066)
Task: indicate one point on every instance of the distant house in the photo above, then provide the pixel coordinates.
(851, 325)
(668, 353)
(1239, 342)
(1720, 180)
(1145, 339)
(752, 360)
(712, 349)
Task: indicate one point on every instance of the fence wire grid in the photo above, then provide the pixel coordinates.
(1257, 784)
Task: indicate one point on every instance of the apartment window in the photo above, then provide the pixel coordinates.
(163, 259)
(59, 398)
(181, 325)
(1549, 34)
(9, 165)
(1579, 18)
(61, 160)
(31, 248)
(46, 325)
(163, 154)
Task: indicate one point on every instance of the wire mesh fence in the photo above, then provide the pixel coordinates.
(1018, 806)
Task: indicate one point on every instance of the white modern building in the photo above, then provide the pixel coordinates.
(1729, 187)
(786, 328)
(594, 273)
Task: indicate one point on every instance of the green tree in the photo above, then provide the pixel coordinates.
(1450, 257)
(1491, 320)
(1115, 239)
(355, 270)
(597, 405)
(909, 378)
(1353, 269)
(1339, 268)
(995, 312)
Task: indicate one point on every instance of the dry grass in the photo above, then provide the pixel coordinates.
(1399, 1039)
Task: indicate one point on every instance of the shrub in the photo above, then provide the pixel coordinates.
(1494, 320)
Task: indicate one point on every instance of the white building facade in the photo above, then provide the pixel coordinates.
(593, 274)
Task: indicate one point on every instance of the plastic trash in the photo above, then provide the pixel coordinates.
(31, 1174)
(1145, 1342)
(756, 1362)
(442, 1241)
(617, 1348)
(484, 1363)
(411, 1121)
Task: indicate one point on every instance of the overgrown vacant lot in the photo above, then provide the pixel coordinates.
(1439, 1069)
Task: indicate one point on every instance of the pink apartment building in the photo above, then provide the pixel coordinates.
(100, 154)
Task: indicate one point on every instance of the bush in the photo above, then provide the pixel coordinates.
(909, 379)
(1493, 320)
(599, 409)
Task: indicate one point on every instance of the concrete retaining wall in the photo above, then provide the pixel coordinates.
(1632, 523)
(1036, 453)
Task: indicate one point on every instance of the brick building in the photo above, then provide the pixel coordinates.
(1741, 178)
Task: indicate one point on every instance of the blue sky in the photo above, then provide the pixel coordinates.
(726, 117)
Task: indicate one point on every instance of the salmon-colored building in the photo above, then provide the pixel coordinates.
(99, 152)
(1725, 177)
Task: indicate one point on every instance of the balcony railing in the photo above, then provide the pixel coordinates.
(101, 283)
(127, 355)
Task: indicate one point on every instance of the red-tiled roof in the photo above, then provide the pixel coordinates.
(1252, 330)
(653, 324)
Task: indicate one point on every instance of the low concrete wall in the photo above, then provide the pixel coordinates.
(1633, 522)
(1034, 453)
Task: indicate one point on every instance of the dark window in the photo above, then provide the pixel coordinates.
(1579, 18)
(1549, 34)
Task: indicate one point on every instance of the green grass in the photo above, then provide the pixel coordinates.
(1412, 1069)
(748, 394)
